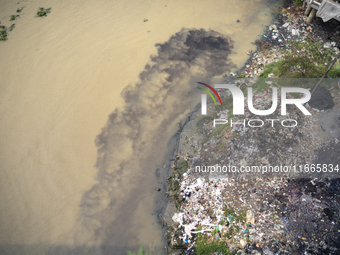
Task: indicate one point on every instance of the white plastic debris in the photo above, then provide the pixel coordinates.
(178, 217)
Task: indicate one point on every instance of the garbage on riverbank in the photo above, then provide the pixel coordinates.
(293, 212)
(279, 38)
(256, 215)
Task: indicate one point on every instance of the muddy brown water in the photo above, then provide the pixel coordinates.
(63, 188)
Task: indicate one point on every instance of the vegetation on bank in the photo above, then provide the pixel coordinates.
(174, 182)
(299, 2)
(303, 59)
(203, 247)
(206, 245)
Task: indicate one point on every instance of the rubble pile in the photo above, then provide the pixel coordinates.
(223, 211)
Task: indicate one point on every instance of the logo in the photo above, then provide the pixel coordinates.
(204, 97)
(238, 99)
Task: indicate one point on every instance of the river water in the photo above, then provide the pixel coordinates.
(86, 114)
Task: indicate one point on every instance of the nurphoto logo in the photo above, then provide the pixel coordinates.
(238, 102)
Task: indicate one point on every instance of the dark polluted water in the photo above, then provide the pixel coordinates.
(133, 144)
(119, 212)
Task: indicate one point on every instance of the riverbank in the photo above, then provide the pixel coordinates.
(285, 213)
(289, 25)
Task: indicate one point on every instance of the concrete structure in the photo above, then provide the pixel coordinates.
(326, 10)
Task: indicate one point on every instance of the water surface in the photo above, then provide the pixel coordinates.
(62, 186)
